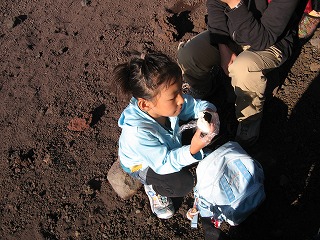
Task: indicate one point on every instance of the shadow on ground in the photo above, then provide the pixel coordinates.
(289, 151)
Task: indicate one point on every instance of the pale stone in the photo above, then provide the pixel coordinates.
(122, 183)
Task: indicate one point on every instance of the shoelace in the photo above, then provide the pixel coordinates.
(162, 200)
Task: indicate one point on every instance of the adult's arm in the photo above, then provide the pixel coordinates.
(217, 22)
(244, 28)
(266, 31)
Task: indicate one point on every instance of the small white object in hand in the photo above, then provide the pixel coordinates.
(203, 122)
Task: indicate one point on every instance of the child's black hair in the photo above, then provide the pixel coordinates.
(142, 75)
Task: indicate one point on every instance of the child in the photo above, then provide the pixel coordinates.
(150, 146)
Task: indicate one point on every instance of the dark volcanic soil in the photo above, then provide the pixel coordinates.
(58, 123)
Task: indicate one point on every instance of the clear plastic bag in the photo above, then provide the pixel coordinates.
(203, 117)
(189, 125)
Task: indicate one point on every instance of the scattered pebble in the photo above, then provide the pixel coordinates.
(315, 42)
(85, 2)
(314, 67)
(9, 23)
(12, 22)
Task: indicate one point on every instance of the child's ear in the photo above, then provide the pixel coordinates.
(144, 104)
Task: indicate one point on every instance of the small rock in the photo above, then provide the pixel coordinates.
(85, 2)
(9, 23)
(12, 22)
(48, 111)
(77, 234)
(63, 50)
(123, 184)
(315, 42)
(47, 159)
(314, 67)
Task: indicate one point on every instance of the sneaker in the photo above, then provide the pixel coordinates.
(160, 205)
(248, 132)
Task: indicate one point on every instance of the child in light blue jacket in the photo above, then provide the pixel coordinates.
(150, 147)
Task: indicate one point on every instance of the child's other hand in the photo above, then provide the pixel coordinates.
(214, 130)
(200, 140)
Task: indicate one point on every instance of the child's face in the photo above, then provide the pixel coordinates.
(168, 103)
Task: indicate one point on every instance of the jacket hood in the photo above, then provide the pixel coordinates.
(132, 115)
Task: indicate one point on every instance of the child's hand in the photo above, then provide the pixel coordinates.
(198, 142)
(214, 130)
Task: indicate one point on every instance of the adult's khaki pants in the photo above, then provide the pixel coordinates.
(197, 57)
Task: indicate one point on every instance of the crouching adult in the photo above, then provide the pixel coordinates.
(247, 38)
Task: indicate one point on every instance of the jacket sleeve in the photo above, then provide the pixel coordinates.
(261, 33)
(145, 148)
(217, 22)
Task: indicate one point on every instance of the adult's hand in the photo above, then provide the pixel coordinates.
(227, 56)
(231, 3)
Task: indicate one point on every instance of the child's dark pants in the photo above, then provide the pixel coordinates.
(177, 184)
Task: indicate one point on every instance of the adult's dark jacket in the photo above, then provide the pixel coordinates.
(256, 23)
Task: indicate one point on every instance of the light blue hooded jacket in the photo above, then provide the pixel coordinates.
(145, 143)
